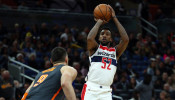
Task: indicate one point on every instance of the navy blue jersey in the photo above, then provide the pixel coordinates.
(47, 85)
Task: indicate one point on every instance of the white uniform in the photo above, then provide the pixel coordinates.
(101, 74)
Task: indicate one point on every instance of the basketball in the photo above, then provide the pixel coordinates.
(102, 11)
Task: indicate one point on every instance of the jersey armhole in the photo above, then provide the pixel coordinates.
(116, 51)
(95, 49)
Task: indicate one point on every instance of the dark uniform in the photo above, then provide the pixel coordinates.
(47, 85)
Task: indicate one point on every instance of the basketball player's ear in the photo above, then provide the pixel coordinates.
(66, 59)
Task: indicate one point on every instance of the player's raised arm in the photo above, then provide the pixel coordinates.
(120, 48)
(68, 76)
(91, 42)
(27, 91)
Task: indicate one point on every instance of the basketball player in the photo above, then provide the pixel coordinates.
(103, 61)
(55, 82)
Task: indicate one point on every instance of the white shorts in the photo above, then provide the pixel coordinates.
(92, 91)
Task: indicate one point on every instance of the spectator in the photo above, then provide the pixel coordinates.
(28, 48)
(84, 71)
(32, 61)
(51, 43)
(123, 84)
(40, 49)
(158, 84)
(119, 9)
(162, 68)
(129, 70)
(159, 14)
(163, 47)
(84, 60)
(35, 31)
(20, 58)
(22, 6)
(25, 87)
(75, 32)
(4, 57)
(7, 86)
(133, 83)
(173, 79)
(44, 29)
(47, 64)
(81, 41)
(145, 88)
(70, 55)
(77, 66)
(14, 49)
(56, 30)
(154, 48)
(171, 84)
(164, 95)
(174, 69)
(151, 68)
(85, 32)
(18, 90)
(39, 44)
(132, 42)
(164, 78)
(166, 87)
(65, 34)
(168, 65)
(169, 54)
(76, 56)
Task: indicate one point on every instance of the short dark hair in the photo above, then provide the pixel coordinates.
(105, 28)
(58, 54)
(99, 31)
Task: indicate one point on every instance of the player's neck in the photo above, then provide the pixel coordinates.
(56, 64)
(107, 45)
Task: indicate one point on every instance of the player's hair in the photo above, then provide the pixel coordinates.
(58, 55)
(105, 28)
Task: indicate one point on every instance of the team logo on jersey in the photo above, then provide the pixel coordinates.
(106, 54)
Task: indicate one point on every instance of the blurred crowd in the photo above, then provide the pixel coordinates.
(31, 45)
(147, 66)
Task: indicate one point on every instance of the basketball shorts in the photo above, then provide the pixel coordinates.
(93, 91)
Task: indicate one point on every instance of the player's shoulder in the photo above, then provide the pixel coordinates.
(68, 68)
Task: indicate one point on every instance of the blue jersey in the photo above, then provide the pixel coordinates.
(47, 85)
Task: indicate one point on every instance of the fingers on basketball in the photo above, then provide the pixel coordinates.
(103, 12)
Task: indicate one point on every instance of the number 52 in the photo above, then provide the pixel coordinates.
(104, 60)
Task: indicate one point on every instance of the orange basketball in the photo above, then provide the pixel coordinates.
(102, 11)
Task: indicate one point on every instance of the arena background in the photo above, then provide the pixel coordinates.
(29, 29)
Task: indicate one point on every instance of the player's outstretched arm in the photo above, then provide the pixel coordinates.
(27, 91)
(68, 76)
(124, 37)
(91, 42)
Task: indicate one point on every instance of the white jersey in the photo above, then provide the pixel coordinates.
(103, 66)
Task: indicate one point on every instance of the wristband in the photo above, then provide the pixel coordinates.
(114, 17)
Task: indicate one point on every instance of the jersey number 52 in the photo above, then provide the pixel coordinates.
(104, 60)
